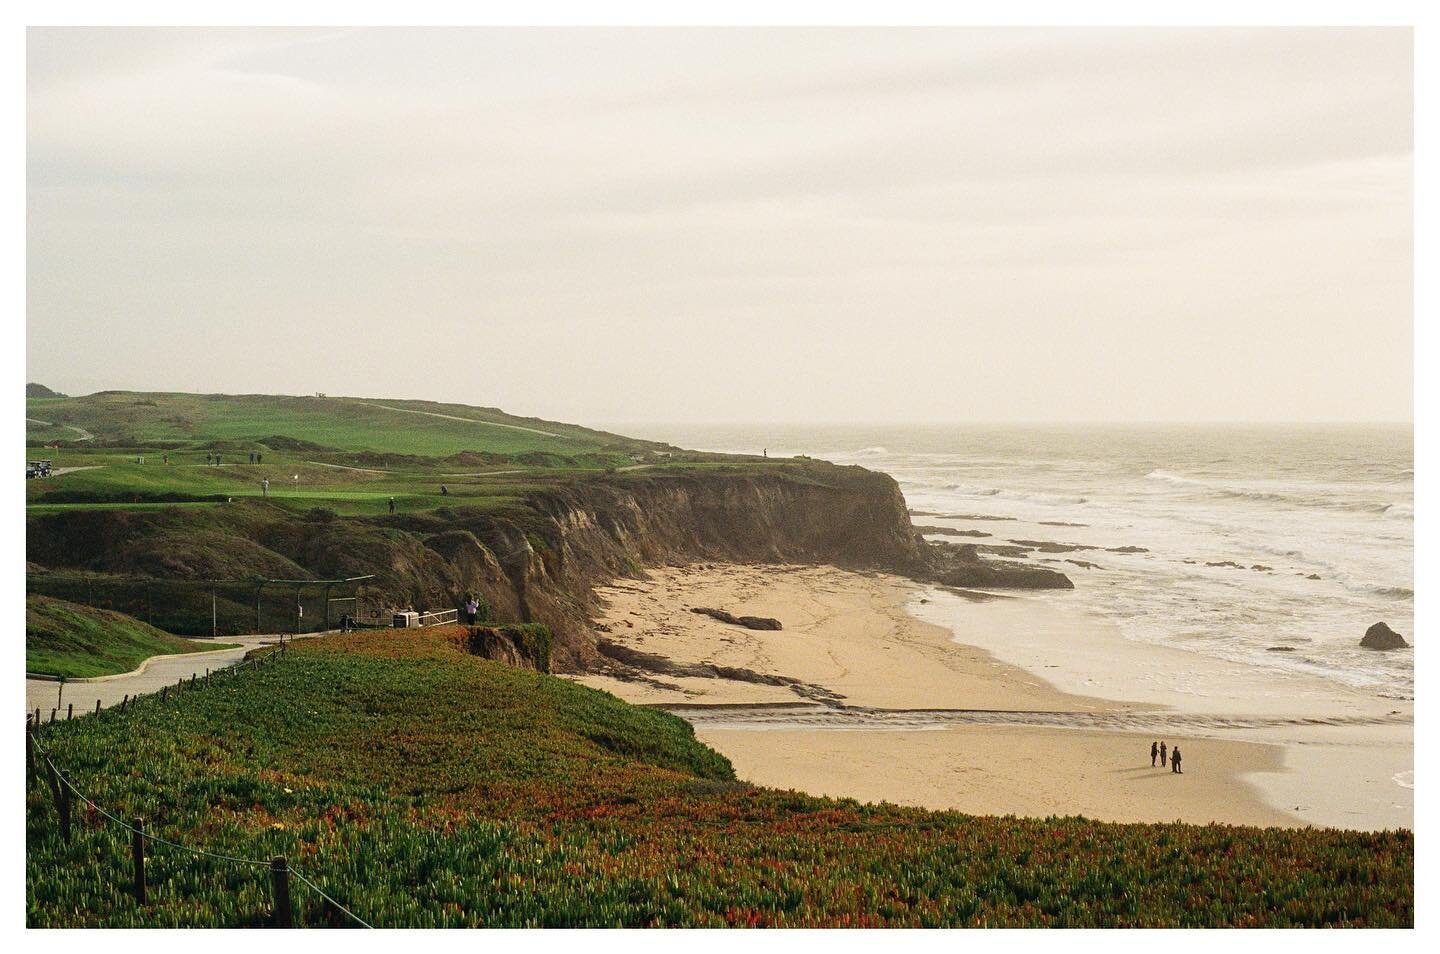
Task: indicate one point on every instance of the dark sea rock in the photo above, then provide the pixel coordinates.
(961, 566)
(957, 516)
(1126, 550)
(1279, 649)
(1000, 549)
(1381, 636)
(749, 622)
(1049, 546)
(951, 531)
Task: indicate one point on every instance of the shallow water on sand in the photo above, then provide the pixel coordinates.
(1267, 545)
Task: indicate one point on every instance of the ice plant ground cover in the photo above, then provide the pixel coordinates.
(421, 786)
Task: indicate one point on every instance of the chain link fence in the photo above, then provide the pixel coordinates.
(216, 607)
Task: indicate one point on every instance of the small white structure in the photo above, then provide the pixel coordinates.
(406, 620)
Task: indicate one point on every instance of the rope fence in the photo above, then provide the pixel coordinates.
(62, 787)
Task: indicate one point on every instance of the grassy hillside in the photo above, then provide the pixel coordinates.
(424, 787)
(71, 640)
(335, 423)
(347, 454)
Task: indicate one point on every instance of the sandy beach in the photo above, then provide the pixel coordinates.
(881, 689)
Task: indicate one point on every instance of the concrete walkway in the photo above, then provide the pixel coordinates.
(160, 671)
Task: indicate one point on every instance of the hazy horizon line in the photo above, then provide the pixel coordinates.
(802, 423)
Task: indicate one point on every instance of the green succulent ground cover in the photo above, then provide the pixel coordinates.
(424, 787)
(67, 639)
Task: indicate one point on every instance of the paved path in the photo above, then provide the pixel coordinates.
(161, 671)
(84, 434)
(467, 420)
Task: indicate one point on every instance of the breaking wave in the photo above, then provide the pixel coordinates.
(1319, 496)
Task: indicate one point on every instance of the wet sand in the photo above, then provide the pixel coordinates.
(876, 704)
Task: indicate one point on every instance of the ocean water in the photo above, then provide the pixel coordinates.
(1249, 537)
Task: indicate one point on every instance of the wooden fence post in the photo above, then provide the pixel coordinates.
(70, 712)
(280, 886)
(137, 847)
(64, 810)
(29, 756)
(97, 706)
(62, 799)
(52, 714)
(52, 783)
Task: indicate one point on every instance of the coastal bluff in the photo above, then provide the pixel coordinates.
(538, 559)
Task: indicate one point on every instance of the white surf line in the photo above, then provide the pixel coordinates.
(467, 420)
(791, 716)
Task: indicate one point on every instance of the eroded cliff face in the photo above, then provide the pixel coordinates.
(539, 561)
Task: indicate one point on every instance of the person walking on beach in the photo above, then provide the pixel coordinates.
(392, 504)
(1154, 751)
(1175, 761)
(1162, 754)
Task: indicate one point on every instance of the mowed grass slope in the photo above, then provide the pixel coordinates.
(424, 787)
(75, 641)
(351, 424)
(347, 455)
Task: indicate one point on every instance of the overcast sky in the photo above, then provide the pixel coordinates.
(610, 226)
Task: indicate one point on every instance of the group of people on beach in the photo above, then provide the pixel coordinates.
(1158, 749)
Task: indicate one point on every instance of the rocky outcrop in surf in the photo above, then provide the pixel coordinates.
(1381, 636)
